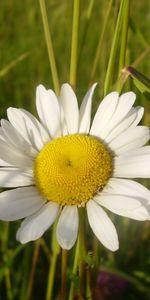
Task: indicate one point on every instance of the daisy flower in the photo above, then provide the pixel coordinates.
(63, 161)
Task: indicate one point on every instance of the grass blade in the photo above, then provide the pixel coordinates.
(74, 43)
(49, 46)
(115, 42)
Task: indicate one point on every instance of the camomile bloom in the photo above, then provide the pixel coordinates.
(63, 161)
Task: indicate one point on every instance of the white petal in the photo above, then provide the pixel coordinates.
(134, 164)
(34, 226)
(126, 206)
(140, 213)
(64, 129)
(85, 111)
(13, 177)
(48, 110)
(19, 203)
(4, 163)
(104, 113)
(2, 135)
(70, 106)
(132, 189)
(123, 125)
(67, 228)
(136, 152)
(102, 226)
(14, 157)
(132, 138)
(123, 108)
(37, 127)
(28, 126)
(125, 103)
(140, 112)
(13, 138)
(127, 187)
(116, 201)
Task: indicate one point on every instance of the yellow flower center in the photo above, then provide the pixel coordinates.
(70, 170)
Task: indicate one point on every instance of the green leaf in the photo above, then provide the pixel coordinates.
(141, 81)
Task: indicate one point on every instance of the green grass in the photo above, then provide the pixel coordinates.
(24, 269)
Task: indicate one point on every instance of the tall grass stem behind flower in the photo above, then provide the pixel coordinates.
(124, 36)
(74, 44)
(100, 42)
(115, 44)
(49, 44)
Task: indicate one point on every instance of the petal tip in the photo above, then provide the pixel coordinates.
(66, 86)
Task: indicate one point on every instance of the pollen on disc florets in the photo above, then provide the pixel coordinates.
(70, 170)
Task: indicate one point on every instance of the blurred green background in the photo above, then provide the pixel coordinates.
(23, 65)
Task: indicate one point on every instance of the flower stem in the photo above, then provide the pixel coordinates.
(51, 276)
(74, 271)
(49, 46)
(82, 252)
(26, 270)
(88, 285)
(63, 274)
(33, 268)
(52, 267)
(74, 43)
(8, 284)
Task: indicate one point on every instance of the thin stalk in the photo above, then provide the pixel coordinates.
(89, 10)
(86, 25)
(74, 43)
(82, 252)
(93, 271)
(74, 271)
(141, 57)
(13, 64)
(51, 276)
(33, 268)
(101, 38)
(95, 251)
(64, 274)
(88, 285)
(8, 284)
(4, 248)
(49, 46)
(124, 36)
(124, 74)
(26, 271)
(139, 35)
(111, 63)
(82, 275)
(52, 265)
